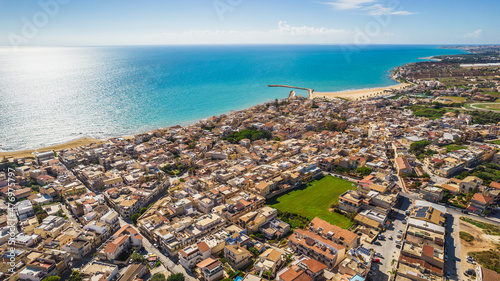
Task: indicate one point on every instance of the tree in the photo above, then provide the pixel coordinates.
(143, 210)
(254, 251)
(52, 278)
(176, 277)
(363, 171)
(268, 274)
(158, 277)
(135, 217)
(137, 257)
(75, 276)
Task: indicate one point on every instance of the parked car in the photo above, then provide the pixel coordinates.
(375, 260)
(400, 231)
(378, 254)
(404, 221)
(377, 243)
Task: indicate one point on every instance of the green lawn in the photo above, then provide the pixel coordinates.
(453, 147)
(495, 142)
(314, 200)
(452, 99)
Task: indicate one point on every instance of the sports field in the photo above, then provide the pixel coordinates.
(314, 200)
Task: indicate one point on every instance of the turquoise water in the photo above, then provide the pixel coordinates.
(53, 95)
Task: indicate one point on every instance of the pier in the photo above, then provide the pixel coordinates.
(309, 91)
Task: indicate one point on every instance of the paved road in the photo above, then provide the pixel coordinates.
(167, 261)
(70, 217)
(342, 176)
(389, 248)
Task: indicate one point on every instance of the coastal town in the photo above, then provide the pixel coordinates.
(400, 185)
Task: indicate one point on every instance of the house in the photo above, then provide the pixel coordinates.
(212, 270)
(351, 201)
(51, 226)
(274, 229)
(135, 236)
(114, 248)
(470, 184)
(100, 271)
(428, 214)
(38, 269)
(338, 235)
(303, 269)
(432, 193)
(190, 256)
(111, 220)
(44, 156)
(254, 219)
(309, 243)
(238, 257)
(270, 260)
(480, 203)
(263, 188)
(78, 248)
(134, 272)
(402, 166)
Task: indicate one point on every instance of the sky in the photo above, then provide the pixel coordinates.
(166, 22)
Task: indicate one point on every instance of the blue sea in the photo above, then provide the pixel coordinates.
(53, 95)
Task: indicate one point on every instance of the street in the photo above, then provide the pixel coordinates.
(389, 249)
(167, 262)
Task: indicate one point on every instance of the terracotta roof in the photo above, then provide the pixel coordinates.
(495, 185)
(292, 275)
(428, 250)
(203, 247)
(348, 236)
(481, 198)
(314, 265)
(402, 163)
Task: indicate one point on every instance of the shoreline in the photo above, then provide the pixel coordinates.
(361, 93)
(347, 94)
(57, 147)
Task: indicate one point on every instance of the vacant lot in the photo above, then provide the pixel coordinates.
(487, 228)
(466, 236)
(314, 200)
(483, 247)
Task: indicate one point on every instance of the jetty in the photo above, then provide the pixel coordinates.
(309, 91)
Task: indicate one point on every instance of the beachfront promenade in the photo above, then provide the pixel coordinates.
(309, 91)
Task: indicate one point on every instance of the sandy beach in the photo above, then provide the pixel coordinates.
(57, 147)
(361, 93)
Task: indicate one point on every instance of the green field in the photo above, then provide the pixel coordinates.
(453, 147)
(495, 142)
(314, 200)
(452, 99)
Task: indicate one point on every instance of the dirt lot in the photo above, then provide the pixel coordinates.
(482, 242)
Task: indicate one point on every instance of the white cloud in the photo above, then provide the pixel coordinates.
(284, 33)
(348, 4)
(474, 34)
(285, 28)
(370, 6)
